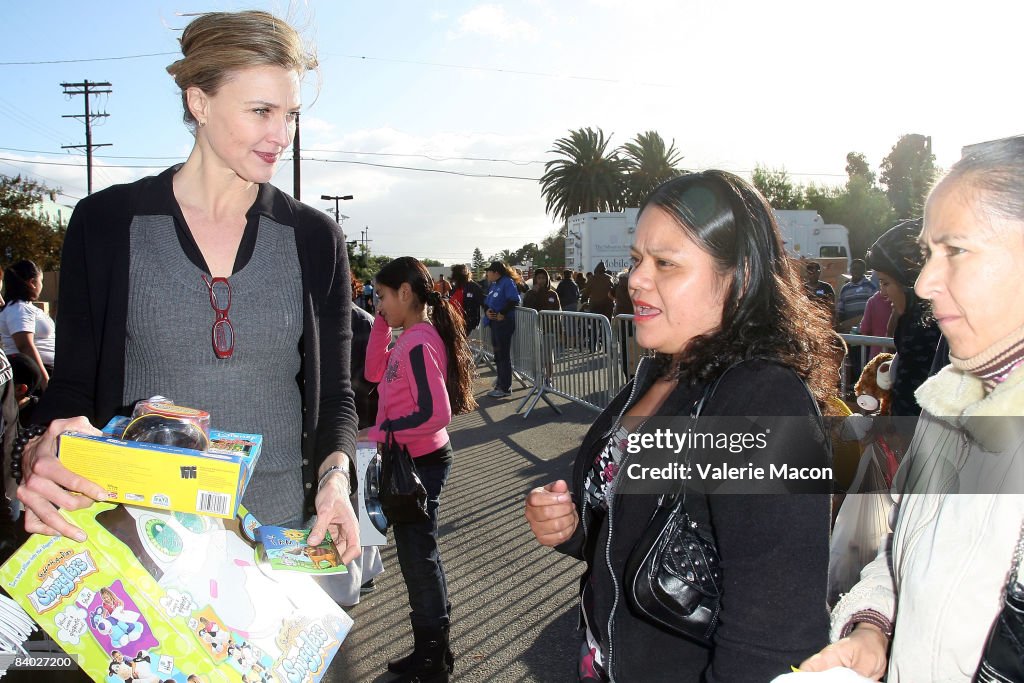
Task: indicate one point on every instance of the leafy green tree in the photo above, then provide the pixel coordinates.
(857, 167)
(588, 177)
(552, 250)
(778, 188)
(434, 263)
(862, 208)
(649, 162)
(527, 252)
(907, 173)
(479, 262)
(25, 232)
(508, 256)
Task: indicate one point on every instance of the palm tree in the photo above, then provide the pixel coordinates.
(508, 256)
(649, 163)
(588, 178)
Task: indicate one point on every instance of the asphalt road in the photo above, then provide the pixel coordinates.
(514, 601)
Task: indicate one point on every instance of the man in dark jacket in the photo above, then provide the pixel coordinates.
(568, 292)
(600, 292)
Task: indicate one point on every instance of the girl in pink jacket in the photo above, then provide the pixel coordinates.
(423, 380)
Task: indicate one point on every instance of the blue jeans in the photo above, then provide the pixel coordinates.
(419, 556)
(501, 339)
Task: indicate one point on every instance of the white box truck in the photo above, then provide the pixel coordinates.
(806, 235)
(600, 236)
(607, 236)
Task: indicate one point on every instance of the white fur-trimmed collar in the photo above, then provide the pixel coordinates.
(957, 397)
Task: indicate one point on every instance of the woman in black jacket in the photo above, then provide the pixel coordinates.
(209, 285)
(715, 296)
(896, 258)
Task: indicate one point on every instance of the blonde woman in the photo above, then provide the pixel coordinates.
(209, 285)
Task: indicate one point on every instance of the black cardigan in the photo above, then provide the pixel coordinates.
(774, 549)
(92, 313)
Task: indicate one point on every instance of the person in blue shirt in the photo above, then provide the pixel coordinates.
(500, 304)
(853, 297)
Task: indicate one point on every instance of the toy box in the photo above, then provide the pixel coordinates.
(158, 596)
(209, 482)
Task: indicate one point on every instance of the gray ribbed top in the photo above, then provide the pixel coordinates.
(169, 351)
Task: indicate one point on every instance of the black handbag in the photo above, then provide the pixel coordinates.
(1003, 658)
(402, 496)
(673, 578)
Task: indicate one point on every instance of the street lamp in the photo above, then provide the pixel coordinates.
(337, 199)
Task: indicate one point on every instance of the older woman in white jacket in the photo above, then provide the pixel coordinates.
(923, 609)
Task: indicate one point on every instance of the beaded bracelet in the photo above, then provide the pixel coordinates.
(24, 436)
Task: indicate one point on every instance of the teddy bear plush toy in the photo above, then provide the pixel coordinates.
(874, 388)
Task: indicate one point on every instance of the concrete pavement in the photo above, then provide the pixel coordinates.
(514, 602)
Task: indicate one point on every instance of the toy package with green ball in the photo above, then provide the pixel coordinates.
(154, 596)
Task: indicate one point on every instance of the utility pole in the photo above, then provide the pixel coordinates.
(87, 89)
(365, 238)
(337, 199)
(296, 165)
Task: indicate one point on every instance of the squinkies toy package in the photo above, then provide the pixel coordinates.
(288, 550)
(155, 596)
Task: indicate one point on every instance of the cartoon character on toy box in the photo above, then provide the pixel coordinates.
(115, 620)
(157, 596)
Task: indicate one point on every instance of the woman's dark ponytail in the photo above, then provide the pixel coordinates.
(447, 320)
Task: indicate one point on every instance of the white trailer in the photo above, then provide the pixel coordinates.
(600, 236)
(806, 235)
(607, 236)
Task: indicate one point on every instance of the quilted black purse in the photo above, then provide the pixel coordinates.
(402, 496)
(673, 579)
(1003, 658)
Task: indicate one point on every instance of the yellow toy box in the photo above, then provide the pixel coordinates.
(209, 482)
(157, 596)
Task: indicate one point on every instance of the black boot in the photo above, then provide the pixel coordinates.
(431, 660)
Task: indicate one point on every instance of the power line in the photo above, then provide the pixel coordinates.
(64, 163)
(394, 60)
(517, 72)
(427, 156)
(422, 170)
(55, 182)
(86, 59)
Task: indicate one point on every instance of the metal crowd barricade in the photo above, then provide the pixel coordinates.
(527, 368)
(575, 360)
(863, 341)
(481, 347)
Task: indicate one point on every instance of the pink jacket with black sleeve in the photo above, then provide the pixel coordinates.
(411, 384)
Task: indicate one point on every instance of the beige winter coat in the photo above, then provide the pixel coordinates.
(956, 525)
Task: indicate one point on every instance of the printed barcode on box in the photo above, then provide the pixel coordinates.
(208, 501)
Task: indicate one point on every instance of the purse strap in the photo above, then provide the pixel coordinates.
(1018, 553)
(698, 407)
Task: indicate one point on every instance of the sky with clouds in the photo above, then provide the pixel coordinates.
(438, 115)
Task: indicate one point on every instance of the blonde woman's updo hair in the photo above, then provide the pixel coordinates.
(217, 44)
